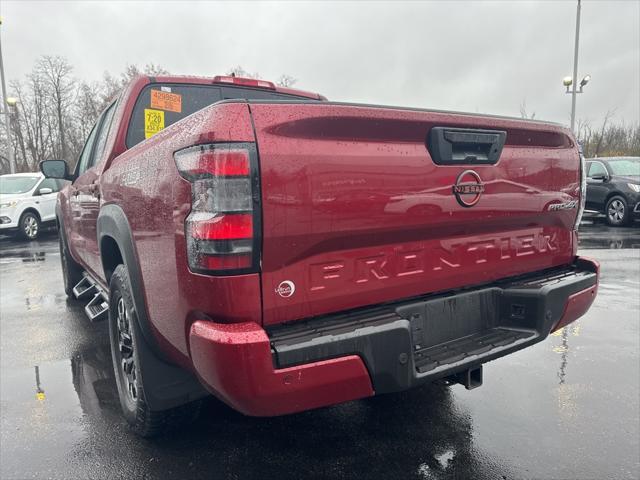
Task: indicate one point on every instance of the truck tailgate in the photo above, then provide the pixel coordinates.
(356, 210)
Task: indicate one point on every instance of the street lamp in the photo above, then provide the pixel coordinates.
(568, 81)
(5, 105)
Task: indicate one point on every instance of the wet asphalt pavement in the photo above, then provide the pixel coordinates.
(566, 408)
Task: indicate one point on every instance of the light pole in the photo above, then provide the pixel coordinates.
(569, 81)
(5, 105)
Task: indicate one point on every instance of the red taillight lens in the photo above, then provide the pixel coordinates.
(203, 161)
(221, 229)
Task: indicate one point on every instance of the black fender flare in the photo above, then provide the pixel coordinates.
(165, 385)
(113, 223)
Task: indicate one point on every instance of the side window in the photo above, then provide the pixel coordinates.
(102, 135)
(83, 161)
(596, 169)
(51, 183)
(161, 105)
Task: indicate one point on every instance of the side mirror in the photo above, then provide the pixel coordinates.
(55, 169)
(600, 178)
(45, 191)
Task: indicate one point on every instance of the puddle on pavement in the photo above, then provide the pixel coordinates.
(598, 236)
(40, 302)
(66, 390)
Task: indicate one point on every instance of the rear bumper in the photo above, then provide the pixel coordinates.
(329, 360)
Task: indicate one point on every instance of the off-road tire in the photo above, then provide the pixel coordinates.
(125, 356)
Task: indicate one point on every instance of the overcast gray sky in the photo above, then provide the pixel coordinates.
(459, 55)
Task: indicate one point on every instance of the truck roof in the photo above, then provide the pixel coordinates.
(233, 80)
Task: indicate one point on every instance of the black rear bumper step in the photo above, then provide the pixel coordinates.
(447, 355)
(420, 340)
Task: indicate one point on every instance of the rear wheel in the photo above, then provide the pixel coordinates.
(29, 226)
(125, 342)
(617, 211)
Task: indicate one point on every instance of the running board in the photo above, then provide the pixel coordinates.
(84, 287)
(98, 307)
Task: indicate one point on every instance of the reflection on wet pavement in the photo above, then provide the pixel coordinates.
(596, 234)
(566, 408)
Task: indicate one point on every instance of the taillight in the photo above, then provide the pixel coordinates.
(222, 230)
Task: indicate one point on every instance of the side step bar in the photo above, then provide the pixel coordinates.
(84, 287)
(98, 307)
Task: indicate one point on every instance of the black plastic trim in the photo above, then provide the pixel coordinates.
(166, 385)
(398, 341)
(465, 146)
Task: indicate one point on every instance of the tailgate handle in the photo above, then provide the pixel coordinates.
(460, 146)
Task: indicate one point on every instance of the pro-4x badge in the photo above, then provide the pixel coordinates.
(286, 289)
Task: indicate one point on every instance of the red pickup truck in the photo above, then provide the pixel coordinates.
(283, 252)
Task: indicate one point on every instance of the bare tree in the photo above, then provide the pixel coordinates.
(238, 71)
(523, 111)
(610, 139)
(61, 89)
(286, 80)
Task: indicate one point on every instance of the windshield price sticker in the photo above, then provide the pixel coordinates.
(153, 122)
(171, 102)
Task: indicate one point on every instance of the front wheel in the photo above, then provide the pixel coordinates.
(126, 340)
(617, 211)
(29, 226)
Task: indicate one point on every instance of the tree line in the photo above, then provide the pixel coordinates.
(56, 110)
(609, 139)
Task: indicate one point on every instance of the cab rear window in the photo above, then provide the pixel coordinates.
(160, 105)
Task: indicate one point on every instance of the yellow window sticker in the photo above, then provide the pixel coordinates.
(153, 122)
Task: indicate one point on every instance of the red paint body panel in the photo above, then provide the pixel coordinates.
(145, 183)
(234, 362)
(355, 212)
(579, 303)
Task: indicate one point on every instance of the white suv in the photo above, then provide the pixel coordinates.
(27, 200)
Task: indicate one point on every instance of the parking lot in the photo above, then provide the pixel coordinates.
(566, 408)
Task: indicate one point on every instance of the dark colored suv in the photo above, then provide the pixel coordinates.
(613, 188)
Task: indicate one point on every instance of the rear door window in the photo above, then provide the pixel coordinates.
(161, 105)
(102, 135)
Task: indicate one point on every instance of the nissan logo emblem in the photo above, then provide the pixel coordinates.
(468, 188)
